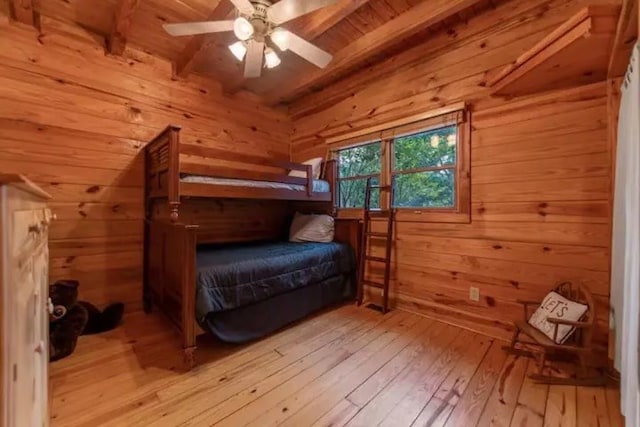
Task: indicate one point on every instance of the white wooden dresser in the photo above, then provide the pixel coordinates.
(24, 275)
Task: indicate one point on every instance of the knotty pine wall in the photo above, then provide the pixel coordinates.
(540, 171)
(74, 121)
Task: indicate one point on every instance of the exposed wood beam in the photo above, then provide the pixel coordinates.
(408, 24)
(184, 63)
(187, 58)
(626, 34)
(315, 24)
(122, 21)
(25, 12)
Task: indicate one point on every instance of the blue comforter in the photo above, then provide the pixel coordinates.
(233, 277)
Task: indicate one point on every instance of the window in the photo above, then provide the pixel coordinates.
(356, 165)
(424, 169)
(427, 160)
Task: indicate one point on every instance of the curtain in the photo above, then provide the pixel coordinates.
(625, 265)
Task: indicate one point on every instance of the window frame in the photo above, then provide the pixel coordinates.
(461, 211)
(339, 179)
(453, 166)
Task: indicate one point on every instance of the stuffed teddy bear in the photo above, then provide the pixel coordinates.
(72, 318)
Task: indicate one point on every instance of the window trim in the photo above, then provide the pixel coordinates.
(336, 155)
(393, 172)
(461, 212)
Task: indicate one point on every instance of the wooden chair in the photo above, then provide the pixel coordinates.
(577, 347)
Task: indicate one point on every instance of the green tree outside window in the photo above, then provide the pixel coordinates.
(424, 170)
(355, 166)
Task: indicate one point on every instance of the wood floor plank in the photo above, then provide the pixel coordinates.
(296, 372)
(401, 368)
(613, 406)
(338, 416)
(561, 406)
(223, 365)
(349, 313)
(438, 338)
(470, 406)
(426, 384)
(148, 331)
(504, 397)
(121, 392)
(440, 406)
(178, 405)
(532, 401)
(592, 407)
(202, 376)
(378, 381)
(275, 405)
(129, 370)
(325, 394)
(116, 358)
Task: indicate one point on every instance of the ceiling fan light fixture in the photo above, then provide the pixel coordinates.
(271, 58)
(239, 50)
(260, 39)
(242, 28)
(280, 38)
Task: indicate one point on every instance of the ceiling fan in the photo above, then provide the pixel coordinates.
(258, 29)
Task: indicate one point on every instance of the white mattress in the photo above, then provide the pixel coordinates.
(319, 186)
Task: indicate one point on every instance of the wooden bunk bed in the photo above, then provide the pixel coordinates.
(173, 237)
(170, 170)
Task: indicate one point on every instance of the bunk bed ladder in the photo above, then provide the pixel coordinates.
(367, 235)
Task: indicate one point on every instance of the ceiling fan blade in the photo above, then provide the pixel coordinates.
(286, 10)
(253, 61)
(309, 51)
(191, 28)
(244, 6)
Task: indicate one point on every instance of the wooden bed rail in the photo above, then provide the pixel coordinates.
(167, 160)
(226, 172)
(203, 151)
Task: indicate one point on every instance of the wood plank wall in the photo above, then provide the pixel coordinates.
(540, 170)
(74, 120)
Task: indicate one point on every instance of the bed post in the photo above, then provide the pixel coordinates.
(174, 172)
(156, 165)
(309, 180)
(188, 294)
(331, 175)
(146, 293)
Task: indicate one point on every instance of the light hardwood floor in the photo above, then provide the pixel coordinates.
(347, 366)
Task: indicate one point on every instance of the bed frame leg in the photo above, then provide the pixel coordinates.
(189, 357)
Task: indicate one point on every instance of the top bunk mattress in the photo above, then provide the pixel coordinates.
(319, 186)
(236, 276)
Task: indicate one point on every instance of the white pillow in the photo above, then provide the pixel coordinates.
(315, 167)
(312, 228)
(556, 306)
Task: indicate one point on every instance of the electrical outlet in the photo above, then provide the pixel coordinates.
(474, 294)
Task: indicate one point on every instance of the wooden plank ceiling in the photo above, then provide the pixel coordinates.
(357, 32)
